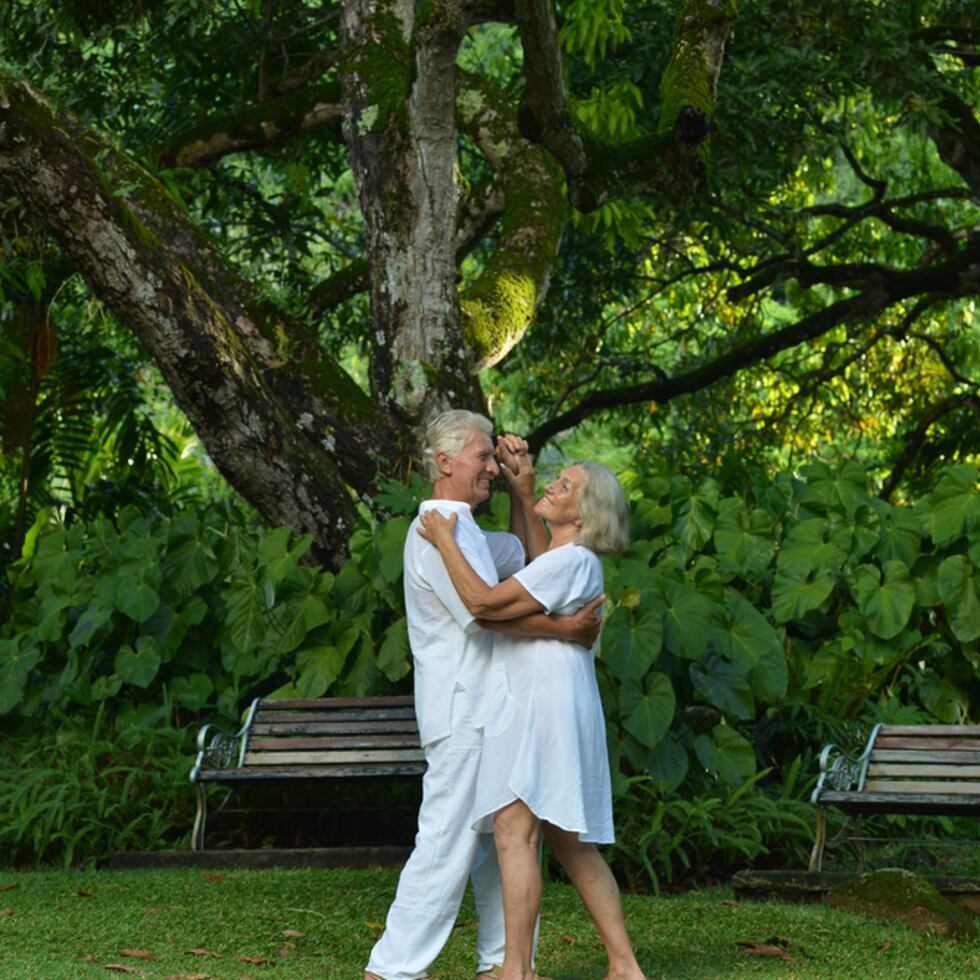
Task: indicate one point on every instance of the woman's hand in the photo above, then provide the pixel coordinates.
(515, 462)
(437, 529)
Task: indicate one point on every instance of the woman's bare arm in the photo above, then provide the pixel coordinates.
(508, 600)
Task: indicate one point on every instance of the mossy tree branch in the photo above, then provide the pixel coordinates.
(282, 421)
(498, 307)
(668, 162)
(255, 127)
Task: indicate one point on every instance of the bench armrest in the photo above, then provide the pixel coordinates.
(843, 772)
(218, 749)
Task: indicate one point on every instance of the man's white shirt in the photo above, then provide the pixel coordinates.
(448, 647)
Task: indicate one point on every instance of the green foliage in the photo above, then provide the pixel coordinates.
(75, 794)
(199, 612)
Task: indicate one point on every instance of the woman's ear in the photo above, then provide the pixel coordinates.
(578, 521)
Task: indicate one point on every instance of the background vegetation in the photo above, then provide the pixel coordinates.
(783, 370)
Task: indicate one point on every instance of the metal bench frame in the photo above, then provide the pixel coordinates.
(920, 770)
(307, 740)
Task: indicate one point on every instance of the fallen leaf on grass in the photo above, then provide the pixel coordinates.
(728, 901)
(189, 976)
(201, 952)
(122, 968)
(89, 958)
(884, 946)
(8, 886)
(375, 926)
(752, 948)
(84, 893)
(255, 959)
(569, 939)
(6, 912)
(211, 876)
(292, 934)
(154, 911)
(138, 954)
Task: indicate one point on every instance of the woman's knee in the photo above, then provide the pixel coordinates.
(516, 825)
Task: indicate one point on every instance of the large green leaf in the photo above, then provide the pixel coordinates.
(726, 754)
(901, 538)
(192, 692)
(318, 667)
(668, 763)
(844, 490)
(648, 708)
(743, 538)
(395, 654)
(138, 667)
(17, 660)
(188, 566)
(96, 615)
(724, 686)
(391, 544)
(245, 611)
(631, 641)
(959, 588)
(945, 700)
(955, 504)
(754, 647)
(688, 620)
(887, 604)
(137, 596)
(696, 515)
(798, 588)
(818, 542)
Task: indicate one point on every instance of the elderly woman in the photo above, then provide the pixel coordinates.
(545, 764)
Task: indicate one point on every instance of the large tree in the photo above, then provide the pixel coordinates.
(169, 149)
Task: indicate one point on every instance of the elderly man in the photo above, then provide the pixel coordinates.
(452, 656)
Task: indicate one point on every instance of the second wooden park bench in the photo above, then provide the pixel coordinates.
(302, 741)
(924, 770)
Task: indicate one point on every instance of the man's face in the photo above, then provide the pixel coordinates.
(468, 473)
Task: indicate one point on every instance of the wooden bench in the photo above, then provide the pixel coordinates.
(924, 770)
(297, 741)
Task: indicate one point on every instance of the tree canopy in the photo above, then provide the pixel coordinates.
(726, 241)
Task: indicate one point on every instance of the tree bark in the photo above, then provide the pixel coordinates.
(284, 424)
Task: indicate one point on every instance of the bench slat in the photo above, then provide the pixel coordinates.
(913, 803)
(272, 744)
(318, 703)
(932, 730)
(366, 714)
(407, 726)
(326, 758)
(260, 774)
(925, 742)
(898, 769)
(922, 788)
(923, 756)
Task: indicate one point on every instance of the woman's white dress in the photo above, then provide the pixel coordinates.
(545, 735)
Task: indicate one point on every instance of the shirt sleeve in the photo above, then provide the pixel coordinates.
(563, 579)
(432, 571)
(507, 552)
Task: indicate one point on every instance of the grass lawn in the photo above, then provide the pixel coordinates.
(321, 924)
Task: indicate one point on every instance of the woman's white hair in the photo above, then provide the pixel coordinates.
(448, 433)
(603, 510)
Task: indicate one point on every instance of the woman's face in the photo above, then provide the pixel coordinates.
(559, 505)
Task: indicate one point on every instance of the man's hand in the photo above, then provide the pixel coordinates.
(584, 625)
(515, 461)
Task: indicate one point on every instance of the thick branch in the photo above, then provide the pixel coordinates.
(283, 422)
(953, 278)
(498, 307)
(667, 163)
(257, 127)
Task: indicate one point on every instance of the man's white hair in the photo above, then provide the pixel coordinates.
(448, 433)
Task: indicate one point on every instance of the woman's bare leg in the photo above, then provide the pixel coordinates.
(597, 887)
(517, 833)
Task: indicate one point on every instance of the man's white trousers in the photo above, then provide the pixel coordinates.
(447, 852)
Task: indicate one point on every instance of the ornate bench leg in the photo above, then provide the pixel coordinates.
(197, 834)
(820, 839)
(859, 845)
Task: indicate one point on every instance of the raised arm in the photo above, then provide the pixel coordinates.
(508, 600)
(515, 462)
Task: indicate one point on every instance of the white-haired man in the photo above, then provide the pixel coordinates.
(452, 657)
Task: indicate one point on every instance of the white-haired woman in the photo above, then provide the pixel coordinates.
(545, 764)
